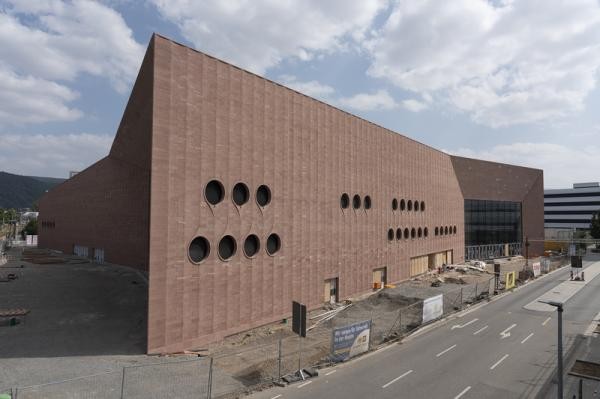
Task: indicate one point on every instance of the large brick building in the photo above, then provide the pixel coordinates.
(238, 195)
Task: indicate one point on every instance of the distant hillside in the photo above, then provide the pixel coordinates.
(22, 191)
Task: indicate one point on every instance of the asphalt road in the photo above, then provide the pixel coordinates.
(499, 350)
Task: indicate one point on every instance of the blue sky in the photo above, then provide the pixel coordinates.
(510, 81)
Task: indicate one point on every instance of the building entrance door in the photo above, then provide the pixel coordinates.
(379, 278)
(330, 293)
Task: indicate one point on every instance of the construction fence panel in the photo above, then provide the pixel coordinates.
(185, 379)
(96, 386)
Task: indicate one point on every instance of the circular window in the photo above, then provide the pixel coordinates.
(402, 205)
(251, 245)
(446, 230)
(345, 201)
(390, 234)
(356, 201)
(422, 206)
(227, 247)
(367, 202)
(263, 195)
(454, 230)
(240, 194)
(437, 231)
(214, 192)
(199, 249)
(416, 206)
(406, 233)
(394, 204)
(398, 233)
(413, 233)
(409, 205)
(273, 244)
(426, 232)
(420, 232)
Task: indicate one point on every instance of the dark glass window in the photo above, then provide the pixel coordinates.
(367, 202)
(402, 205)
(390, 234)
(409, 205)
(344, 201)
(492, 222)
(398, 233)
(263, 195)
(356, 201)
(394, 204)
(240, 194)
(199, 249)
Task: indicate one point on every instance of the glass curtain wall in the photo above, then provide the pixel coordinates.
(492, 222)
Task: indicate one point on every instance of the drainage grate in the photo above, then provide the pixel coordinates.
(585, 369)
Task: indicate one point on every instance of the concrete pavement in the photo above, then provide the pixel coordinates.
(500, 350)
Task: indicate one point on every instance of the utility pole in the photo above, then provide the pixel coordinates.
(559, 376)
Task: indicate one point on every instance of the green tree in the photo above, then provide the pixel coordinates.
(595, 225)
(31, 228)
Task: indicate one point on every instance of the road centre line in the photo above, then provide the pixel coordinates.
(499, 361)
(275, 397)
(305, 384)
(464, 391)
(480, 330)
(331, 372)
(546, 321)
(526, 338)
(396, 379)
(445, 350)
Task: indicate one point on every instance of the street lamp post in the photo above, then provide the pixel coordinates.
(559, 308)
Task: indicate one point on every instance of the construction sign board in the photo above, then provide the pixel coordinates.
(433, 308)
(537, 269)
(510, 279)
(299, 318)
(351, 340)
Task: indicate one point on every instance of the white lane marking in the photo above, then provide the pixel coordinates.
(331, 372)
(305, 384)
(445, 350)
(275, 397)
(499, 361)
(506, 332)
(396, 379)
(546, 321)
(464, 391)
(526, 338)
(480, 330)
(463, 325)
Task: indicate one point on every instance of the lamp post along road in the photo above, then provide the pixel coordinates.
(559, 308)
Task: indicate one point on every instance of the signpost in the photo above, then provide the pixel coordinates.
(299, 327)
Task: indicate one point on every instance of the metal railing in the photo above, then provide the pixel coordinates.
(491, 251)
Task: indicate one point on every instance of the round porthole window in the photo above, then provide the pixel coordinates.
(437, 231)
(420, 232)
(398, 234)
(214, 192)
(409, 205)
(416, 206)
(454, 230)
(344, 201)
(263, 195)
(422, 206)
(441, 231)
(394, 204)
(227, 247)
(273, 244)
(446, 230)
(402, 205)
(413, 233)
(426, 232)
(390, 234)
(406, 233)
(367, 202)
(356, 201)
(251, 245)
(240, 194)
(199, 249)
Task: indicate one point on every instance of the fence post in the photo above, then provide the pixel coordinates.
(475, 292)
(123, 383)
(461, 298)
(210, 371)
(279, 361)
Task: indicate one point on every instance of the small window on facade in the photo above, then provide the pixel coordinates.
(240, 194)
(441, 230)
(426, 232)
(356, 201)
(214, 192)
(437, 231)
(273, 244)
(227, 247)
(409, 205)
(367, 202)
(420, 232)
(406, 233)
(454, 230)
(416, 206)
(402, 205)
(422, 206)
(390, 234)
(446, 230)
(394, 204)
(413, 233)
(199, 249)
(345, 201)
(398, 233)
(251, 245)
(263, 195)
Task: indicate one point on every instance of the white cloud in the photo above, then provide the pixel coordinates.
(51, 155)
(562, 165)
(47, 44)
(414, 105)
(259, 34)
(503, 63)
(380, 100)
(311, 88)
